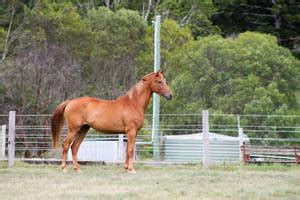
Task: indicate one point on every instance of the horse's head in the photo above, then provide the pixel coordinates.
(159, 85)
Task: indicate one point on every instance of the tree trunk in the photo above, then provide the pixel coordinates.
(278, 21)
(148, 10)
(7, 43)
(107, 3)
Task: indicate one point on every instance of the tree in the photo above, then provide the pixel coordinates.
(195, 14)
(228, 72)
(11, 20)
(118, 40)
(249, 74)
(54, 39)
(279, 18)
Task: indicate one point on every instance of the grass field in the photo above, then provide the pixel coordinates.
(28, 181)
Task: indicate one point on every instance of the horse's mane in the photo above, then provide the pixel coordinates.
(139, 87)
(146, 76)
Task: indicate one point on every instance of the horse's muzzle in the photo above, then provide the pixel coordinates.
(168, 96)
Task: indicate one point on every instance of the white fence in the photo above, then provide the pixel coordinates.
(207, 138)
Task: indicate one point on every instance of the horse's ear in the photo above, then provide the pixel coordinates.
(160, 72)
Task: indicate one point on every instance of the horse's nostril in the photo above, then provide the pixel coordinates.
(168, 96)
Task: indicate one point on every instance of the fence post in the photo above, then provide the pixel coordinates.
(156, 98)
(11, 140)
(121, 147)
(3, 141)
(241, 140)
(238, 122)
(205, 139)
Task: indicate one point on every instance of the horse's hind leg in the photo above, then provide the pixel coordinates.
(65, 147)
(75, 146)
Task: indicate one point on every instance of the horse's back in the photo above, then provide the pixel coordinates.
(81, 103)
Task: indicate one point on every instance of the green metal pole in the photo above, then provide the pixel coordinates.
(155, 118)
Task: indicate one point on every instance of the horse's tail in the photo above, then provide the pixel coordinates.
(57, 122)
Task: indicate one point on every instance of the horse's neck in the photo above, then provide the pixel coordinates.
(140, 95)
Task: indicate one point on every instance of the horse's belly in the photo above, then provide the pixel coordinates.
(110, 126)
(109, 129)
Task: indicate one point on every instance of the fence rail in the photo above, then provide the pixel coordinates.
(207, 138)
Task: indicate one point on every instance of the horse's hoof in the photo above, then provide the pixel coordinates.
(78, 170)
(132, 171)
(64, 170)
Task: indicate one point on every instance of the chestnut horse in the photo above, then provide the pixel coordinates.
(122, 115)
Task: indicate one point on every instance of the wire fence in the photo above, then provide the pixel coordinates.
(180, 140)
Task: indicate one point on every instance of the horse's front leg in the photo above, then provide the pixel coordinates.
(130, 149)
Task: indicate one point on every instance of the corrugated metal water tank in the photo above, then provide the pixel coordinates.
(97, 150)
(188, 148)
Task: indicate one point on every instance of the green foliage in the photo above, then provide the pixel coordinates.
(192, 13)
(64, 49)
(119, 39)
(2, 39)
(250, 74)
(123, 29)
(172, 37)
(58, 23)
(232, 74)
(278, 18)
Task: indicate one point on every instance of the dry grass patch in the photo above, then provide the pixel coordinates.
(223, 182)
